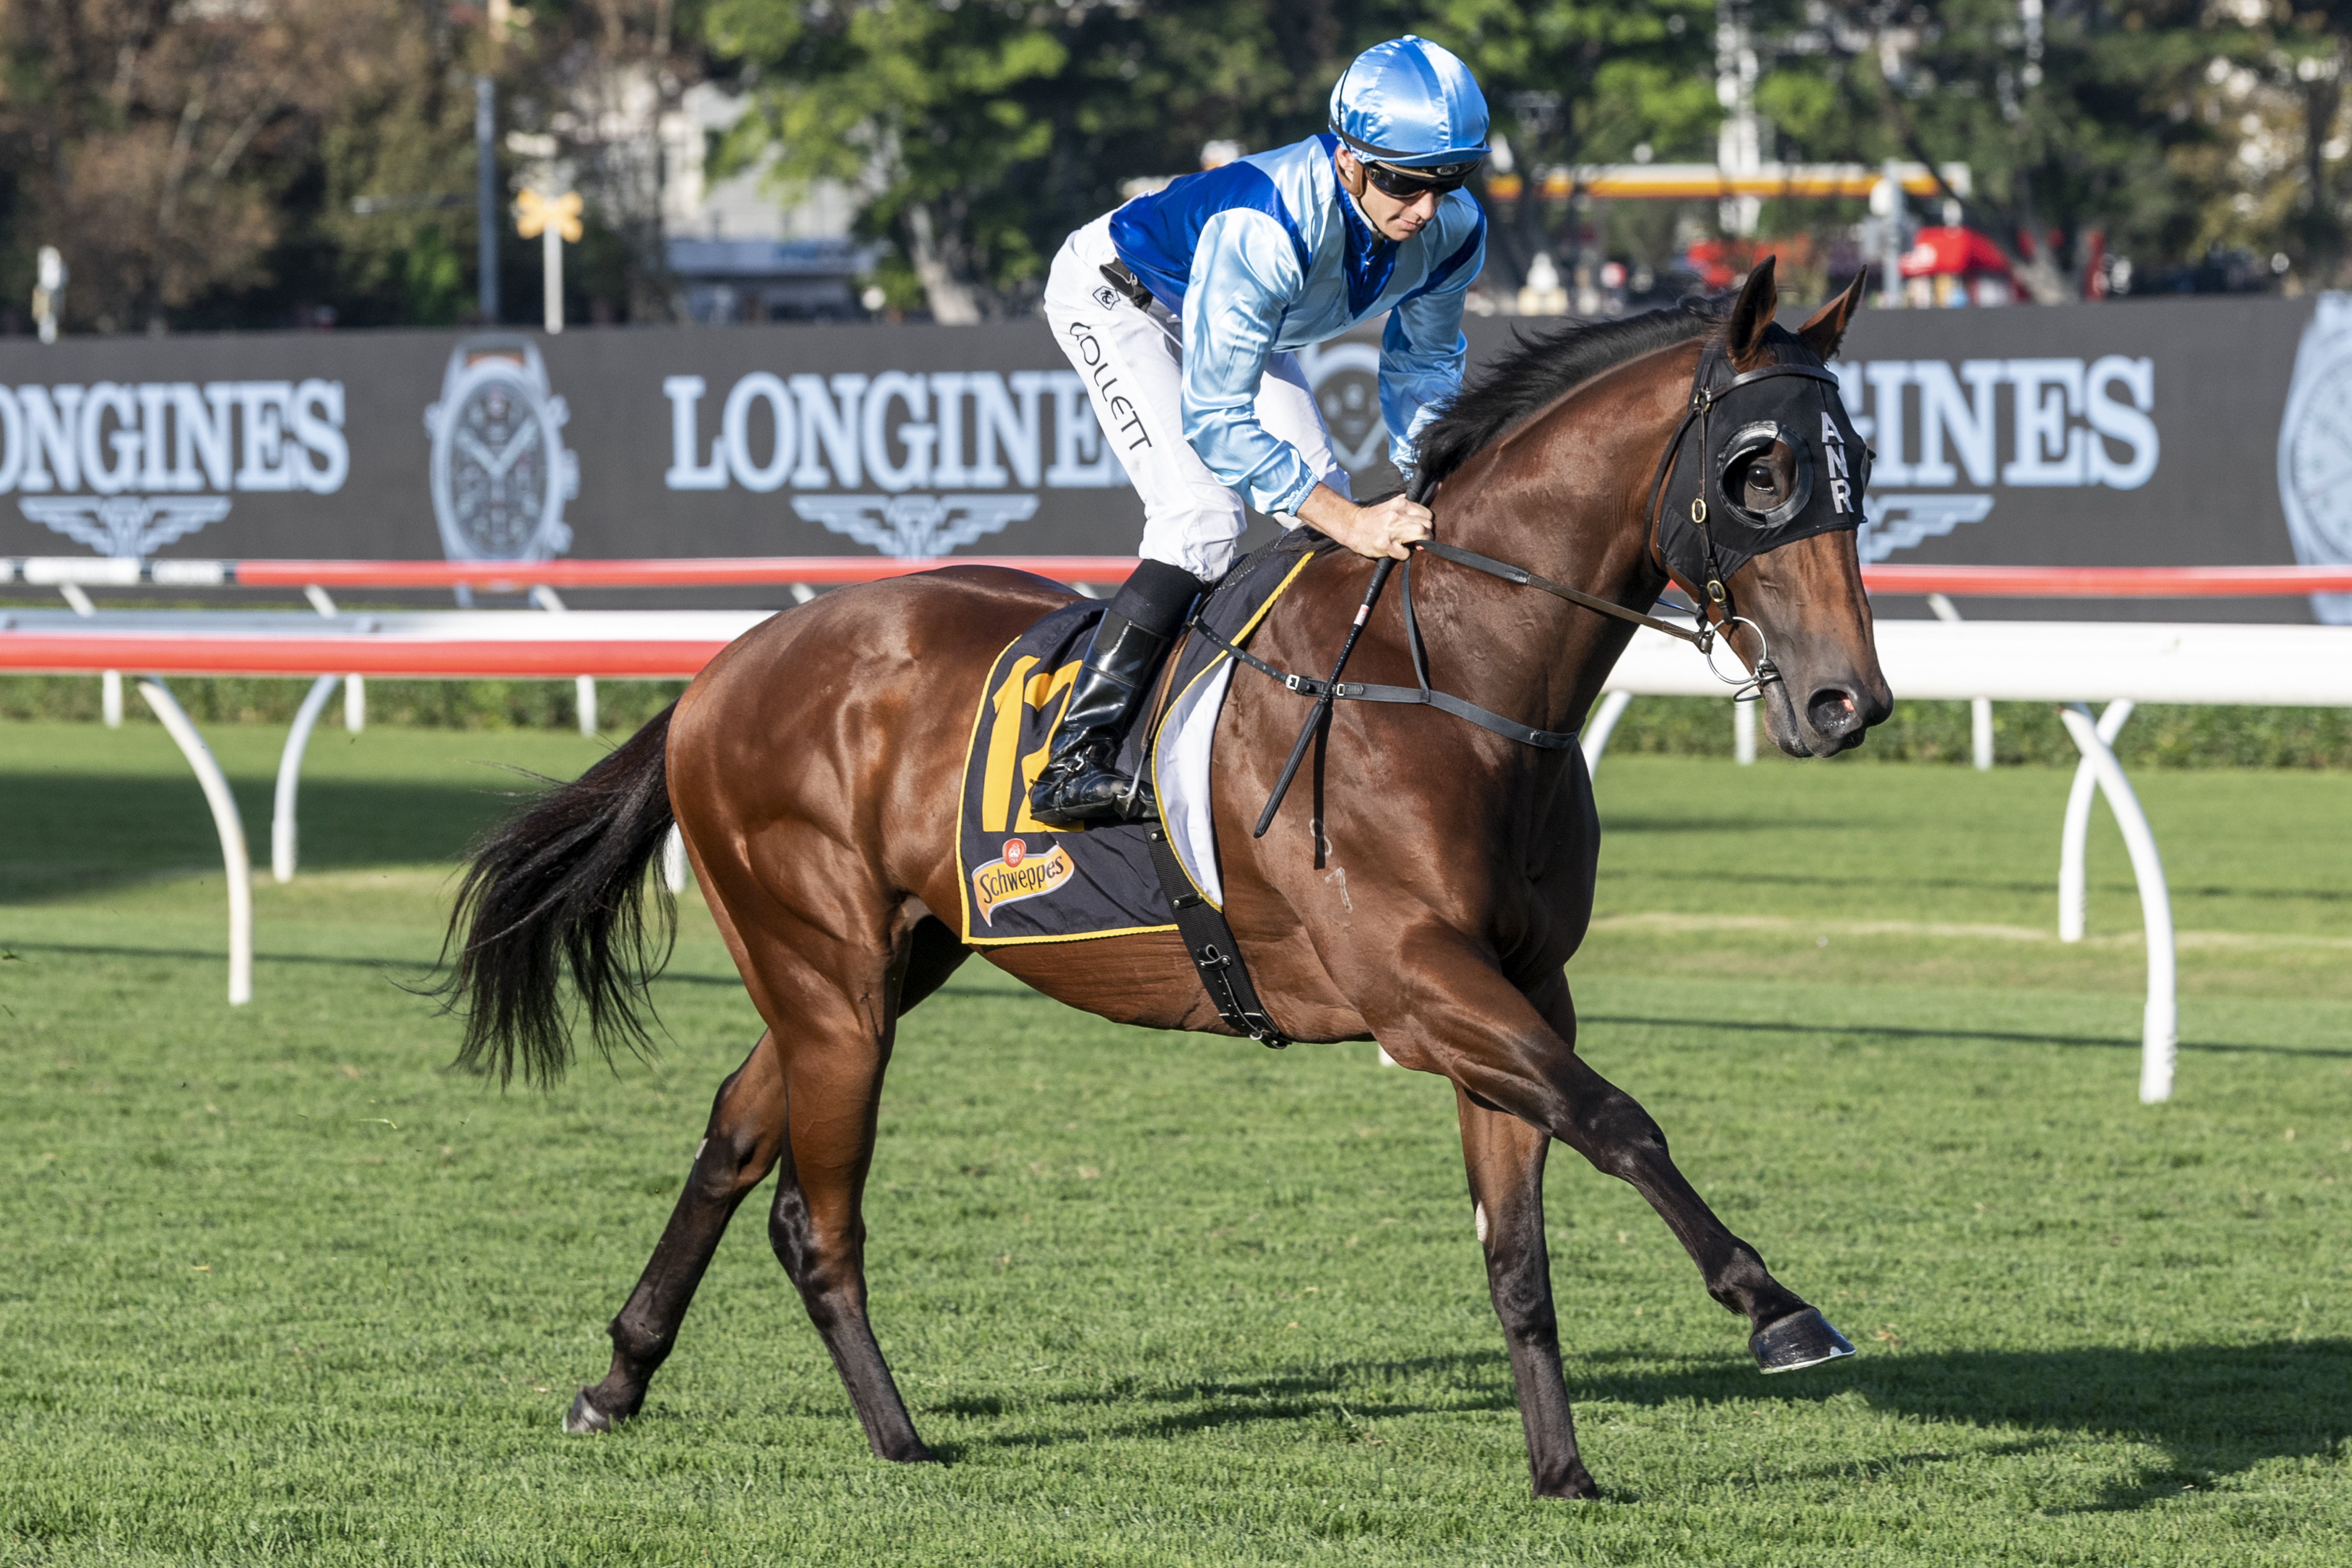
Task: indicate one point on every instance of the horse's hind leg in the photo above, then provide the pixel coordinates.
(834, 1072)
(1506, 1161)
(745, 1135)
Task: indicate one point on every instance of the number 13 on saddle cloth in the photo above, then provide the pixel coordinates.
(1026, 882)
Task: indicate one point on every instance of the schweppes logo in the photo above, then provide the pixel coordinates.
(1018, 875)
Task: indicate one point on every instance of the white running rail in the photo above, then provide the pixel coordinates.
(2065, 663)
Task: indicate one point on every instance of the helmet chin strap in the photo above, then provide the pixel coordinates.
(1355, 193)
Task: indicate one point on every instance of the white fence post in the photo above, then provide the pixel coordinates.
(584, 686)
(673, 861)
(1980, 708)
(1743, 733)
(110, 681)
(2073, 895)
(1600, 725)
(236, 861)
(2161, 1020)
(354, 712)
(289, 778)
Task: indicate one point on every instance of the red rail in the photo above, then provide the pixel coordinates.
(718, 570)
(709, 572)
(2109, 582)
(416, 657)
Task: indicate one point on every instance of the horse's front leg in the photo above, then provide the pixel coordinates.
(1517, 1053)
(1505, 1160)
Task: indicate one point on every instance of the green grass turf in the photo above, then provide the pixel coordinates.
(276, 1287)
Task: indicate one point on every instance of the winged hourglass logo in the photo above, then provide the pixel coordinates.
(916, 527)
(127, 467)
(124, 527)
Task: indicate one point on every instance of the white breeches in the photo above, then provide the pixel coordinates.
(1133, 370)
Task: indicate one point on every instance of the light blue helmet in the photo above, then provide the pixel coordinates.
(1411, 103)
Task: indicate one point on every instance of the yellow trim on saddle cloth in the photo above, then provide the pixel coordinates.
(998, 783)
(1239, 639)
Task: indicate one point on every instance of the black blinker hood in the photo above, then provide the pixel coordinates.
(1702, 534)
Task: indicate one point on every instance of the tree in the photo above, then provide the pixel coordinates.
(2075, 117)
(1578, 84)
(979, 134)
(593, 79)
(2269, 177)
(245, 162)
(155, 143)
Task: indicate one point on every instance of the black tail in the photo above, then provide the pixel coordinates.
(563, 881)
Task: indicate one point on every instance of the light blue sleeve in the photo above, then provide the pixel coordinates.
(1245, 276)
(1421, 348)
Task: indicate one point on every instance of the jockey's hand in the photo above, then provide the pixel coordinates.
(1384, 528)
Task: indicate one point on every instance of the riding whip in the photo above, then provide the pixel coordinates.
(1322, 708)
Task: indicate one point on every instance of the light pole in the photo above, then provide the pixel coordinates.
(486, 193)
(553, 220)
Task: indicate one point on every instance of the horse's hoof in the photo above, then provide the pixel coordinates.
(1797, 1340)
(584, 1418)
(1576, 1486)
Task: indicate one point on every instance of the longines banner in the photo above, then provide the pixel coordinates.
(2183, 432)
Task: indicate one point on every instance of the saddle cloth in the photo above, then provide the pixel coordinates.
(1026, 882)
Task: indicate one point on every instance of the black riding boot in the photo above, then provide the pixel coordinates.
(1082, 782)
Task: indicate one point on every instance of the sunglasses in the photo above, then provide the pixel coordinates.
(1405, 184)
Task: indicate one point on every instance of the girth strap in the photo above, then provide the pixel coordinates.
(1209, 943)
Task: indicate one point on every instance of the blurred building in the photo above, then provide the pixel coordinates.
(736, 250)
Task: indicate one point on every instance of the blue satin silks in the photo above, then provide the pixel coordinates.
(1269, 254)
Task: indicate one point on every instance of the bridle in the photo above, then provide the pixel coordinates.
(1707, 587)
(1703, 578)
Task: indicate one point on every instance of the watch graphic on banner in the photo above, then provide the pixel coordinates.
(2314, 460)
(500, 473)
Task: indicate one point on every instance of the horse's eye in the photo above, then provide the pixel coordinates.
(1759, 477)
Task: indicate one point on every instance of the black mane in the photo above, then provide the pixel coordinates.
(1539, 369)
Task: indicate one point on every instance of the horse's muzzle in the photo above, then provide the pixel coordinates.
(1838, 714)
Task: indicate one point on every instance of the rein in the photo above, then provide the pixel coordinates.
(1421, 695)
(1716, 615)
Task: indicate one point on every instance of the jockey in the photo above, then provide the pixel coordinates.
(1181, 309)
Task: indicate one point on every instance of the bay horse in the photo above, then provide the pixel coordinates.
(814, 770)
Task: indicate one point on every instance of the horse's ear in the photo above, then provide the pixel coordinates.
(1751, 317)
(1827, 326)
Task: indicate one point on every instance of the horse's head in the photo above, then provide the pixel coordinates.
(1762, 515)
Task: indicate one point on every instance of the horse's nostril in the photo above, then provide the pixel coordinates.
(1833, 712)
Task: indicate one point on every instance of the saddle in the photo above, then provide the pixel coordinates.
(1025, 882)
